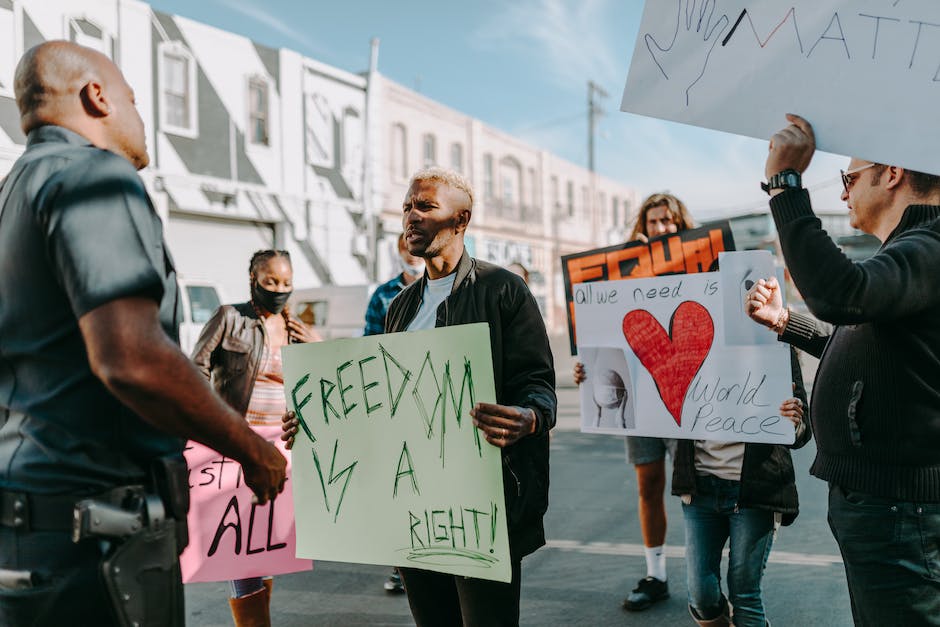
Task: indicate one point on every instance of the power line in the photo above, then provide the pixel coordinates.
(754, 207)
(552, 122)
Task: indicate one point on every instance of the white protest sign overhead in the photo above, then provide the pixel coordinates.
(865, 73)
(676, 357)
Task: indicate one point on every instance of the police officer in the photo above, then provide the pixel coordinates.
(96, 398)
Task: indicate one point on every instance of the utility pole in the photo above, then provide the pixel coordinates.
(368, 172)
(594, 112)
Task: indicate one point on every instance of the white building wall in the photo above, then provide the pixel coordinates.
(211, 178)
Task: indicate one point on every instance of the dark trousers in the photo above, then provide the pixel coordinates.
(66, 586)
(891, 551)
(440, 600)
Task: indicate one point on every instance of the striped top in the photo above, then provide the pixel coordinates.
(267, 404)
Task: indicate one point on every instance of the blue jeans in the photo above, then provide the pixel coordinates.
(244, 587)
(710, 520)
(891, 551)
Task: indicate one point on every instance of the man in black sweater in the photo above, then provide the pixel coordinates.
(876, 400)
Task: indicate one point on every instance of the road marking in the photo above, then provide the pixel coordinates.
(678, 552)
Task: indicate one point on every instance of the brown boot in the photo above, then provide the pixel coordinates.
(269, 588)
(251, 610)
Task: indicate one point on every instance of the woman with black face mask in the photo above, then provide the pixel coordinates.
(239, 350)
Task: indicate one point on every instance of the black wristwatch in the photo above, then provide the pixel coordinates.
(786, 179)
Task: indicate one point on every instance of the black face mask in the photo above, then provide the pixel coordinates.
(273, 302)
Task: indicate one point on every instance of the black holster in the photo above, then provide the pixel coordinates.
(142, 576)
(141, 571)
(171, 481)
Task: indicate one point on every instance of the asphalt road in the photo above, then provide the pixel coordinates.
(594, 556)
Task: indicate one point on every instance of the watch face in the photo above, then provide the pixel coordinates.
(784, 180)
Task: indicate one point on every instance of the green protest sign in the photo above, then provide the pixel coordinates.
(388, 467)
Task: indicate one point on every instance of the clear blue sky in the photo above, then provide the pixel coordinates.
(523, 66)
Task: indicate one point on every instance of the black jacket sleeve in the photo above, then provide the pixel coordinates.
(528, 367)
(527, 357)
(806, 333)
(898, 281)
(799, 391)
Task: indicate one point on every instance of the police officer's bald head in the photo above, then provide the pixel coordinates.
(64, 84)
(50, 78)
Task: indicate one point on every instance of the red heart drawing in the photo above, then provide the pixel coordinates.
(672, 359)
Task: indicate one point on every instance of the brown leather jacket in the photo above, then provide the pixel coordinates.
(228, 352)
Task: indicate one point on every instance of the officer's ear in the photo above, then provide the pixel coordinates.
(94, 100)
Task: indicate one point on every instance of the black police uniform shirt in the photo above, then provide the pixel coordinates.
(77, 231)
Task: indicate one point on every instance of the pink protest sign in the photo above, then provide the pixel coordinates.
(229, 538)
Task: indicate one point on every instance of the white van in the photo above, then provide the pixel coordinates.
(200, 299)
(333, 310)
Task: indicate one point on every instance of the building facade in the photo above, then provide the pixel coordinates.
(251, 147)
(255, 147)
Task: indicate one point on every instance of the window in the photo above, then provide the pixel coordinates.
(175, 94)
(258, 111)
(585, 201)
(533, 188)
(570, 199)
(509, 190)
(615, 211)
(430, 150)
(399, 160)
(510, 180)
(203, 301)
(556, 199)
(177, 90)
(8, 51)
(488, 192)
(456, 157)
(89, 34)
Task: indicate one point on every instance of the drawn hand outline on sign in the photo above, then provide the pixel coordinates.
(710, 31)
(674, 358)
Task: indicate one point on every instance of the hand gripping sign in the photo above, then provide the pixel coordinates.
(675, 357)
(229, 536)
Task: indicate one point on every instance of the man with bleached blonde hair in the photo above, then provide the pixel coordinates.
(458, 289)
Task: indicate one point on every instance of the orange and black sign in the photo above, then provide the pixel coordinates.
(695, 250)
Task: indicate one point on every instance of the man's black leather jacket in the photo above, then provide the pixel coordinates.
(524, 375)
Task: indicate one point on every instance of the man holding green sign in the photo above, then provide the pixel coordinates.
(459, 290)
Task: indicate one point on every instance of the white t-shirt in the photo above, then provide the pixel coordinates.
(721, 459)
(435, 291)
